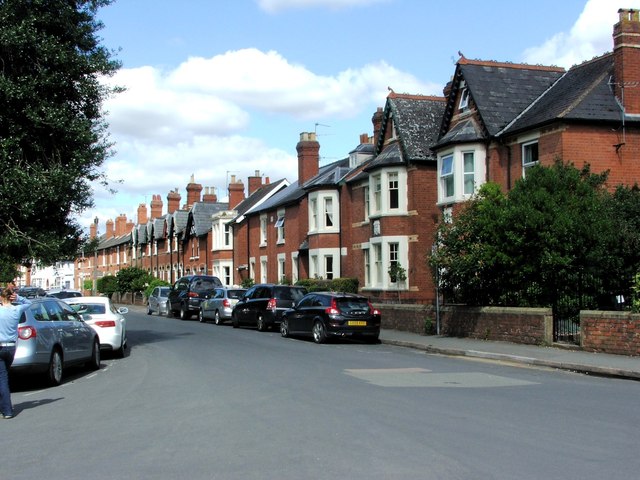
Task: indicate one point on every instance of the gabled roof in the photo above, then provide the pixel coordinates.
(178, 221)
(582, 94)
(199, 221)
(104, 243)
(417, 119)
(158, 227)
(258, 197)
(329, 175)
(500, 92)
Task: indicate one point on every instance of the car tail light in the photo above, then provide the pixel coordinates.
(226, 303)
(333, 309)
(374, 311)
(193, 295)
(25, 333)
(271, 304)
(105, 323)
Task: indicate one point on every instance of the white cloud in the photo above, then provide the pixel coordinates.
(590, 36)
(274, 6)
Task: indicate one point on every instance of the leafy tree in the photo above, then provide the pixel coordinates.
(156, 282)
(553, 236)
(53, 138)
(107, 285)
(133, 279)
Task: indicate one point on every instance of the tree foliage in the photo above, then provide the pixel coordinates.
(133, 279)
(557, 234)
(53, 137)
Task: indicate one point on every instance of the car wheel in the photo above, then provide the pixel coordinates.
(121, 351)
(217, 318)
(319, 333)
(261, 325)
(149, 311)
(201, 318)
(284, 328)
(54, 373)
(184, 313)
(234, 320)
(94, 363)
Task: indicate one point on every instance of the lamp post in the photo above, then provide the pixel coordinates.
(95, 258)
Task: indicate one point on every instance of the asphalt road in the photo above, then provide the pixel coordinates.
(200, 401)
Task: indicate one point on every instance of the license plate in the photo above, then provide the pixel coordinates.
(357, 323)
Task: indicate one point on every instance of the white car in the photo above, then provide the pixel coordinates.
(107, 320)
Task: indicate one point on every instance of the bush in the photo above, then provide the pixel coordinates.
(348, 285)
(107, 285)
(155, 283)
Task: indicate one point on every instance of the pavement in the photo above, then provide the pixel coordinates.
(557, 357)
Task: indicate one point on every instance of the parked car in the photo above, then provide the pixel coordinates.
(329, 314)
(31, 292)
(262, 305)
(218, 305)
(157, 301)
(108, 321)
(51, 337)
(64, 293)
(188, 292)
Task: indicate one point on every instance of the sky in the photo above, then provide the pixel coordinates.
(222, 88)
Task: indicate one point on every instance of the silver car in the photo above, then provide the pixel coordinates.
(218, 304)
(52, 336)
(157, 301)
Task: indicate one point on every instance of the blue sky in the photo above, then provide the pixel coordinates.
(218, 87)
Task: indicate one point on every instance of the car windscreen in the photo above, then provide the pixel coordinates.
(235, 293)
(90, 308)
(164, 291)
(353, 305)
(288, 293)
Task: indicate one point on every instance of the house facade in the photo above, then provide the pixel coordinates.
(379, 207)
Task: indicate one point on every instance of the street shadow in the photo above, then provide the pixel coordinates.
(19, 407)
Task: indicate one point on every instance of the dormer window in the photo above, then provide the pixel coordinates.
(464, 97)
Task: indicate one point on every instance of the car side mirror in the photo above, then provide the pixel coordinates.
(123, 310)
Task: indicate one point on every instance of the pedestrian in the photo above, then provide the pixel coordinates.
(10, 311)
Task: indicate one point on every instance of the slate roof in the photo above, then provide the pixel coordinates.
(199, 221)
(256, 198)
(104, 243)
(500, 91)
(178, 221)
(158, 227)
(417, 119)
(582, 94)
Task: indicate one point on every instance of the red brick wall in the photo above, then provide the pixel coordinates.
(610, 332)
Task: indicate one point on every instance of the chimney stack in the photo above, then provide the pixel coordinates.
(143, 215)
(193, 192)
(209, 195)
(109, 233)
(377, 125)
(626, 55)
(121, 222)
(308, 157)
(93, 230)
(173, 201)
(236, 192)
(156, 207)
(255, 182)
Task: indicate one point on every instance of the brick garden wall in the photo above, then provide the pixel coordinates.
(610, 332)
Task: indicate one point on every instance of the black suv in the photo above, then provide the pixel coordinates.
(330, 314)
(262, 305)
(188, 292)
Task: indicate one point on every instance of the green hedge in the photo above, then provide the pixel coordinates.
(349, 285)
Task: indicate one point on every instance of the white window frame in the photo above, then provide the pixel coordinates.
(367, 203)
(381, 185)
(457, 174)
(318, 220)
(294, 267)
(469, 176)
(378, 260)
(318, 262)
(264, 263)
(282, 266)
(464, 98)
(280, 227)
(263, 230)
(526, 162)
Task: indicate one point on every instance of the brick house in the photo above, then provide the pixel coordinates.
(380, 205)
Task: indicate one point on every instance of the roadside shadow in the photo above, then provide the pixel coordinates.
(19, 407)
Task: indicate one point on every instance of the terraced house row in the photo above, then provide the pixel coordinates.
(381, 204)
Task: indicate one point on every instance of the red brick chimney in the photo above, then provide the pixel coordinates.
(143, 215)
(109, 233)
(377, 124)
(173, 201)
(308, 157)
(209, 195)
(93, 229)
(156, 207)
(129, 227)
(626, 55)
(255, 182)
(193, 192)
(121, 222)
(236, 192)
